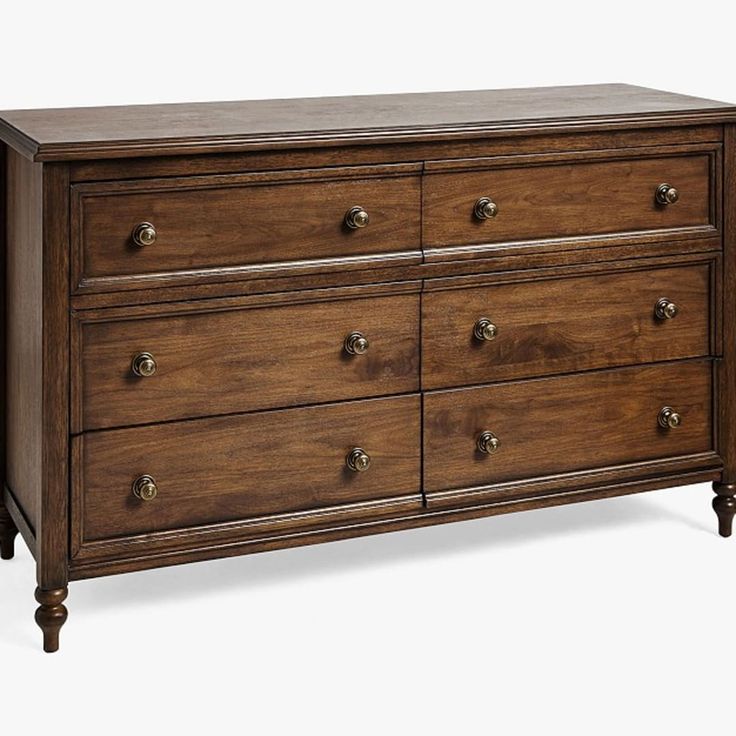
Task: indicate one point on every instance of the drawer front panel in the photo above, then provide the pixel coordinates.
(564, 424)
(203, 224)
(566, 200)
(247, 466)
(564, 325)
(248, 359)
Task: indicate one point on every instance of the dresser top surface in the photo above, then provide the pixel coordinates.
(210, 127)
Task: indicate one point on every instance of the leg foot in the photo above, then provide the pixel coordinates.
(51, 615)
(8, 532)
(724, 504)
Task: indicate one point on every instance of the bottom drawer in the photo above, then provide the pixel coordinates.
(243, 467)
(550, 426)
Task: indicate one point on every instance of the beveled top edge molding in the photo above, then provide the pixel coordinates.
(228, 127)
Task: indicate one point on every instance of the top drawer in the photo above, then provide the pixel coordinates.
(223, 227)
(566, 199)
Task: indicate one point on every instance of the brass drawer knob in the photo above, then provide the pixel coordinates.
(358, 460)
(669, 418)
(144, 365)
(144, 234)
(484, 329)
(665, 309)
(356, 343)
(485, 209)
(144, 488)
(667, 194)
(488, 443)
(356, 217)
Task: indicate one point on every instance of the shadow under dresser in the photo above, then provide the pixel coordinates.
(241, 326)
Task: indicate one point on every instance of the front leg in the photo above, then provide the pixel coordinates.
(8, 532)
(724, 504)
(51, 615)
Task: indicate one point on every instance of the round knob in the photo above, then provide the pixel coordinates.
(665, 309)
(144, 487)
(669, 418)
(356, 217)
(485, 209)
(484, 329)
(144, 365)
(356, 343)
(358, 460)
(144, 234)
(667, 194)
(488, 442)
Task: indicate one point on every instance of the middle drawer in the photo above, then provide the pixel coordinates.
(494, 333)
(145, 370)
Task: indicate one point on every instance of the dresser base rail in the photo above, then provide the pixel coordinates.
(426, 517)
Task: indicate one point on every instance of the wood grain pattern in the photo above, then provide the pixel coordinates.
(724, 504)
(564, 424)
(235, 361)
(246, 466)
(506, 260)
(131, 556)
(24, 303)
(354, 155)
(562, 325)
(566, 200)
(53, 535)
(237, 221)
(107, 132)
(254, 282)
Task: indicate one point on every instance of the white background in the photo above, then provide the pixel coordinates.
(614, 617)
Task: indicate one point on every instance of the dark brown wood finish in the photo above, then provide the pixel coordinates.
(253, 282)
(238, 224)
(53, 529)
(565, 424)
(539, 202)
(724, 504)
(562, 325)
(37, 393)
(510, 263)
(247, 466)
(51, 615)
(24, 363)
(196, 128)
(220, 362)
(564, 141)
(8, 529)
(8, 533)
(134, 554)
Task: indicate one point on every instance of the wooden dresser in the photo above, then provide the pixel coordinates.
(239, 326)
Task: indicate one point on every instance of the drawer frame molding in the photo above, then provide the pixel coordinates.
(714, 152)
(81, 282)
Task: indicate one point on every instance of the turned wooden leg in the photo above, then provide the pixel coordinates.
(51, 615)
(724, 504)
(8, 532)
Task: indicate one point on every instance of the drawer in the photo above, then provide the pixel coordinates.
(558, 425)
(245, 467)
(246, 359)
(564, 325)
(565, 200)
(225, 226)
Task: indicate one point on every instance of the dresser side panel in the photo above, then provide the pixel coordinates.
(726, 369)
(24, 333)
